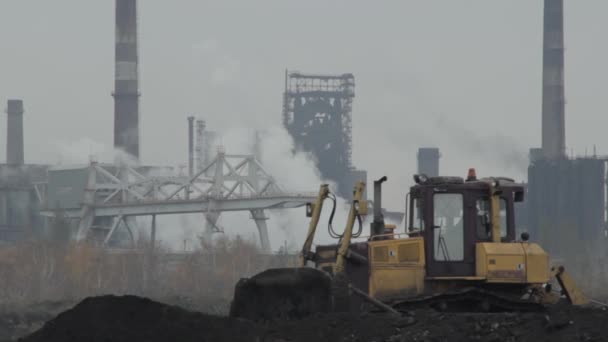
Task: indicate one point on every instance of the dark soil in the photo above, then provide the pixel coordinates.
(128, 318)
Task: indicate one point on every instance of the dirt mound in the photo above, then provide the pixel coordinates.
(128, 318)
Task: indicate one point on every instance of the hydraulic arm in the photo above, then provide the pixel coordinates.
(355, 211)
(315, 214)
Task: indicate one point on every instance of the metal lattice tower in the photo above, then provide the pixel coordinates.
(317, 113)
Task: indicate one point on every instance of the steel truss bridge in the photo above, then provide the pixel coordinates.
(116, 195)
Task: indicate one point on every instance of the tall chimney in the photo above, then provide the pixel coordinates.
(201, 156)
(553, 122)
(14, 132)
(126, 92)
(190, 146)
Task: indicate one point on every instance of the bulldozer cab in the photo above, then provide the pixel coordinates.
(453, 215)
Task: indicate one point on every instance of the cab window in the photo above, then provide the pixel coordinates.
(483, 218)
(417, 217)
(448, 227)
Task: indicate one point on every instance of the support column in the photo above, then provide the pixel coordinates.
(132, 220)
(190, 146)
(150, 271)
(87, 213)
(115, 226)
(210, 225)
(153, 233)
(260, 220)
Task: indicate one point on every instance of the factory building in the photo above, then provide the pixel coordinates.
(566, 197)
(428, 161)
(19, 194)
(566, 201)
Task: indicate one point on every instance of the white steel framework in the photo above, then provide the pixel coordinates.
(236, 183)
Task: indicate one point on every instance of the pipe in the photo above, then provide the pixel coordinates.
(377, 226)
(190, 146)
(14, 132)
(201, 153)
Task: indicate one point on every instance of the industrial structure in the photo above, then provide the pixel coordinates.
(566, 204)
(126, 93)
(201, 148)
(190, 146)
(566, 197)
(99, 198)
(428, 161)
(553, 98)
(206, 142)
(19, 200)
(317, 113)
(14, 132)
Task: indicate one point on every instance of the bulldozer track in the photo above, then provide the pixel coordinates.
(470, 300)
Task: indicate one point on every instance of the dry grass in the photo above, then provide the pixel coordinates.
(40, 271)
(34, 272)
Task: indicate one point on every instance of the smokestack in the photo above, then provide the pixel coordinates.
(126, 93)
(428, 161)
(553, 121)
(201, 160)
(191, 146)
(377, 225)
(14, 132)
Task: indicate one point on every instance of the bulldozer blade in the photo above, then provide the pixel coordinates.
(282, 293)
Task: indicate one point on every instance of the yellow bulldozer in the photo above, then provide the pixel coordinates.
(459, 252)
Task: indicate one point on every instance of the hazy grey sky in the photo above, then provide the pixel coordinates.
(461, 75)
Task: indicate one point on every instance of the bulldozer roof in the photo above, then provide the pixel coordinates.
(458, 183)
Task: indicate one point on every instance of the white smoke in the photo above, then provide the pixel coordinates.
(86, 150)
(501, 154)
(220, 67)
(295, 173)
